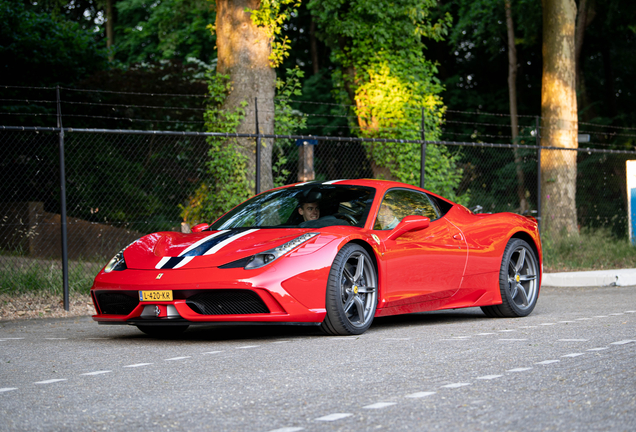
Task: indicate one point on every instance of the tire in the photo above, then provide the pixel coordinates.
(163, 331)
(352, 292)
(518, 281)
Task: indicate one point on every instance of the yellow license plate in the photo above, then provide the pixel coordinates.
(155, 296)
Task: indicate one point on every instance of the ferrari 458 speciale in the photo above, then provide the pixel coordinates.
(334, 254)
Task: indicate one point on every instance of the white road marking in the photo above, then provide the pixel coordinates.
(616, 314)
(528, 327)
(513, 340)
(598, 349)
(630, 311)
(7, 389)
(420, 394)
(565, 322)
(212, 352)
(51, 381)
(334, 417)
(279, 342)
(506, 331)
(96, 372)
(460, 337)
(545, 362)
(573, 355)
(519, 369)
(288, 429)
(56, 338)
(623, 342)
(6, 338)
(138, 365)
(489, 377)
(547, 324)
(600, 316)
(455, 385)
(583, 319)
(572, 340)
(177, 358)
(248, 347)
(484, 334)
(379, 405)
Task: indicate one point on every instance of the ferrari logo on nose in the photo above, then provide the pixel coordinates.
(159, 275)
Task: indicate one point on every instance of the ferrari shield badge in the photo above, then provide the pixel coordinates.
(376, 238)
(159, 275)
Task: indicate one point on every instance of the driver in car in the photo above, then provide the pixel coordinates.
(309, 211)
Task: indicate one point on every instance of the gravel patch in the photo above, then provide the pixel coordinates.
(32, 306)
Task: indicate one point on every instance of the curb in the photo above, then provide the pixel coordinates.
(621, 277)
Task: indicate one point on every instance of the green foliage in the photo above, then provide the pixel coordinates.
(378, 45)
(592, 249)
(164, 29)
(40, 49)
(287, 121)
(272, 15)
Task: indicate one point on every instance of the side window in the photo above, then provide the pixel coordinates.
(399, 203)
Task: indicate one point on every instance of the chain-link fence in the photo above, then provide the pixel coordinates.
(122, 184)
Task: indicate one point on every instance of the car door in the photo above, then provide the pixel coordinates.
(421, 265)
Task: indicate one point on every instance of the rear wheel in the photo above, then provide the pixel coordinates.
(163, 331)
(351, 292)
(518, 281)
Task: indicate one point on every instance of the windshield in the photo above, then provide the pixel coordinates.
(308, 206)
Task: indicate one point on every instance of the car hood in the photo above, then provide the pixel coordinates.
(173, 250)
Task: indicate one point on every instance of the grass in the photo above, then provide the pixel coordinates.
(19, 275)
(592, 250)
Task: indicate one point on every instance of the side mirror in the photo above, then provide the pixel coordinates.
(408, 224)
(200, 227)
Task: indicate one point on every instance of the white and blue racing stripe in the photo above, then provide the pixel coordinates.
(228, 241)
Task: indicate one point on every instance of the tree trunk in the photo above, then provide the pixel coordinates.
(313, 47)
(243, 54)
(559, 117)
(110, 37)
(514, 121)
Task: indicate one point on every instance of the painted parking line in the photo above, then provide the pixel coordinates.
(420, 394)
(379, 405)
(212, 352)
(177, 358)
(138, 365)
(6, 338)
(527, 327)
(55, 338)
(507, 331)
(489, 377)
(547, 324)
(617, 314)
(288, 429)
(583, 319)
(546, 362)
(51, 381)
(7, 389)
(565, 322)
(572, 340)
(280, 342)
(519, 369)
(623, 342)
(598, 349)
(456, 385)
(630, 311)
(96, 373)
(513, 340)
(572, 355)
(248, 346)
(484, 334)
(600, 316)
(334, 417)
(460, 337)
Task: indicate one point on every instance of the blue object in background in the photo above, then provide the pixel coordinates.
(300, 142)
(633, 215)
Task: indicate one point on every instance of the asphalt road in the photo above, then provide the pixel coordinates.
(571, 365)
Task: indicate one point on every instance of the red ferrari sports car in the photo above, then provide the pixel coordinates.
(334, 254)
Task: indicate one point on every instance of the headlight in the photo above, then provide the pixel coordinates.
(117, 263)
(263, 258)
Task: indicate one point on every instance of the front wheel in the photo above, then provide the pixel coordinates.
(352, 292)
(163, 331)
(518, 281)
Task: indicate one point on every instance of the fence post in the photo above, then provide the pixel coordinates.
(63, 204)
(423, 152)
(258, 149)
(538, 138)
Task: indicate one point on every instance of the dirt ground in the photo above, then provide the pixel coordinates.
(29, 306)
